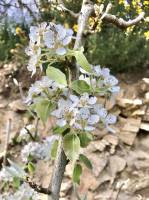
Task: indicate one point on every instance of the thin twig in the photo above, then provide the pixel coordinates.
(38, 188)
(21, 91)
(8, 131)
(32, 137)
(63, 7)
(119, 190)
(76, 192)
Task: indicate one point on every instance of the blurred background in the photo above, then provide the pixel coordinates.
(121, 50)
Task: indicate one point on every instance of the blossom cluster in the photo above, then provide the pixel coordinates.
(101, 81)
(44, 87)
(82, 113)
(53, 37)
(37, 150)
(24, 192)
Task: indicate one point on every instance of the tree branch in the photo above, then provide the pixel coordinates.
(38, 188)
(121, 23)
(58, 173)
(63, 7)
(86, 10)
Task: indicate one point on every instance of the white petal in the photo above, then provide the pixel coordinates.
(56, 113)
(93, 119)
(66, 40)
(102, 112)
(77, 126)
(69, 32)
(84, 113)
(49, 39)
(115, 89)
(74, 98)
(92, 100)
(105, 72)
(89, 128)
(111, 80)
(97, 70)
(83, 71)
(61, 32)
(111, 119)
(61, 51)
(61, 122)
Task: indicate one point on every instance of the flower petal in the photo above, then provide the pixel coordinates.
(61, 51)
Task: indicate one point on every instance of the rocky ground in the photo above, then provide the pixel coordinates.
(120, 161)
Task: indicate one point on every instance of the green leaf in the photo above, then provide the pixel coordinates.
(80, 86)
(54, 149)
(77, 171)
(82, 61)
(61, 130)
(31, 167)
(16, 182)
(56, 75)
(86, 161)
(43, 109)
(85, 138)
(71, 144)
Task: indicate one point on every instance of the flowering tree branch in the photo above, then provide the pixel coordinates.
(73, 101)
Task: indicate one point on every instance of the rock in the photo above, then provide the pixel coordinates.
(88, 182)
(116, 164)
(125, 103)
(99, 162)
(146, 116)
(146, 80)
(112, 139)
(139, 112)
(128, 129)
(146, 98)
(144, 126)
(127, 137)
(17, 105)
(3, 105)
(132, 125)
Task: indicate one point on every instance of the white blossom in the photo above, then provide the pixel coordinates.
(66, 112)
(105, 118)
(38, 150)
(5, 175)
(24, 132)
(86, 120)
(9, 172)
(39, 88)
(24, 192)
(57, 37)
(100, 79)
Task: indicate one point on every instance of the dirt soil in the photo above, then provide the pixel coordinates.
(120, 160)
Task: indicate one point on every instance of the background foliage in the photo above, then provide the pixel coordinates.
(121, 50)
